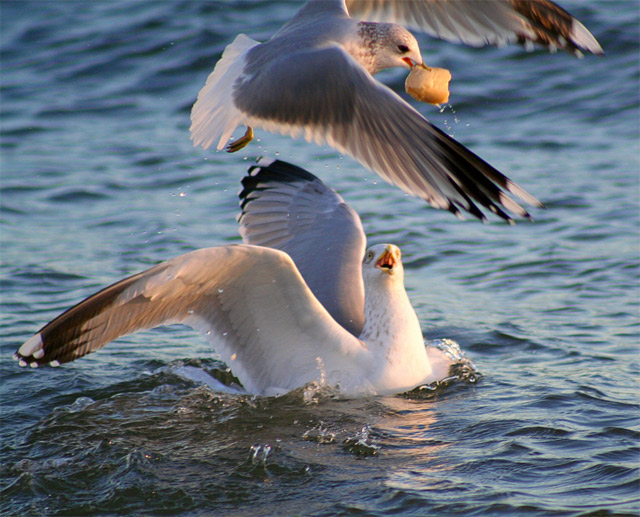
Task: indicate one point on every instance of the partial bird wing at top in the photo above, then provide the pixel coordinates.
(481, 22)
(287, 208)
(250, 301)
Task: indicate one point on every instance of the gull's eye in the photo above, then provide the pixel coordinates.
(368, 257)
(403, 49)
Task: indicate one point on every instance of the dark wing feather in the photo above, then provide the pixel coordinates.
(481, 22)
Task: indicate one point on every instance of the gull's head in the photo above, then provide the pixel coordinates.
(389, 45)
(382, 261)
(399, 48)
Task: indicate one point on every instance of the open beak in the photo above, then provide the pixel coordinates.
(387, 261)
(409, 62)
(412, 63)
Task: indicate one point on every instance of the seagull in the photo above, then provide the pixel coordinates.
(259, 312)
(314, 78)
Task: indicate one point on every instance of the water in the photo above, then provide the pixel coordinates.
(99, 180)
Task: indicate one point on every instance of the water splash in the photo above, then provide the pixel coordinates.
(461, 371)
(361, 444)
(259, 454)
(319, 434)
(313, 392)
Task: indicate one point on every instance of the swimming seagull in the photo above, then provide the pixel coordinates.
(259, 313)
(314, 78)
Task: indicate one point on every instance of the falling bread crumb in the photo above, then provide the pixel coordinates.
(428, 84)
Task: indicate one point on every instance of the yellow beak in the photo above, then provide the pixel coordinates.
(387, 260)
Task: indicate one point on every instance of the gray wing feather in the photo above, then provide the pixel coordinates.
(345, 107)
(482, 22)
(286, 207)
(250, 301)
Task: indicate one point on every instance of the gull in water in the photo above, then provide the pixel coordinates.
(314, 77)
(257, 306)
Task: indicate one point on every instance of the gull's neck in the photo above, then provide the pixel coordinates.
(393, 336)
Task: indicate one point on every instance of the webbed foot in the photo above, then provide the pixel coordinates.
(241, 142)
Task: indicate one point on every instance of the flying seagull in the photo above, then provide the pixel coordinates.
(258, 311)
(314, 78)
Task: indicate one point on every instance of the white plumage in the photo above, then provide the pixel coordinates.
(313, 78)
(259, 312)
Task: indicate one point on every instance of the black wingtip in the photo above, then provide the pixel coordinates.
(267, 170)
(270, 168)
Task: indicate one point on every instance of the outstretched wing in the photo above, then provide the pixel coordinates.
(250, 301)
(328, 97)
(482, 22)
(288, 208)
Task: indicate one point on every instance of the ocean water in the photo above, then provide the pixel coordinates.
(99, 180)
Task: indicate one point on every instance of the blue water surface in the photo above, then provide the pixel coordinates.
(100, 180)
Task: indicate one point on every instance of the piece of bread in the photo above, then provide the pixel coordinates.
(428, 84)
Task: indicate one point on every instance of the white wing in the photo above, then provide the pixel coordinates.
(251, 301)
(287, 208)
(482, 22)
(328, 97)
(213, 115)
